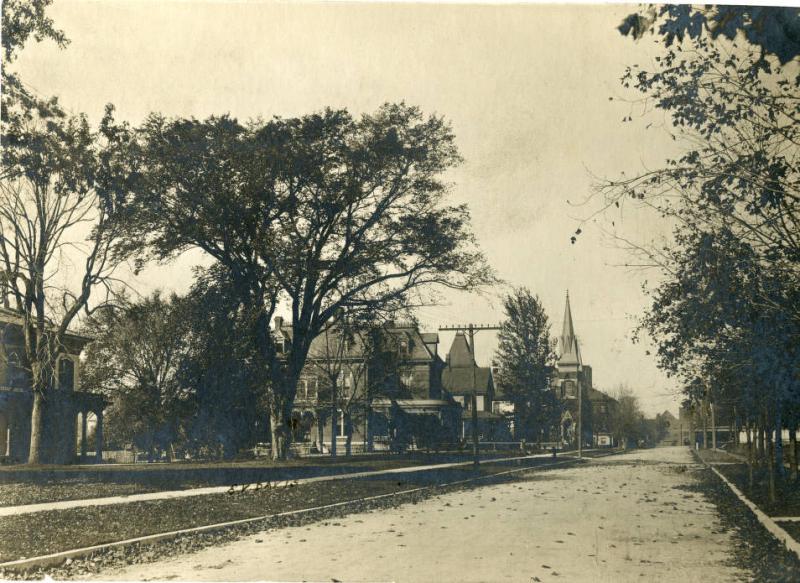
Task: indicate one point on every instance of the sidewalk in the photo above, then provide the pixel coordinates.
(172, 494)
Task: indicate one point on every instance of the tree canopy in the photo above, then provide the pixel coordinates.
(322, 213)
(775, 30)
(525, 358)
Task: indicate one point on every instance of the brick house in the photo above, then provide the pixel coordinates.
(603, 409)
(388, 390)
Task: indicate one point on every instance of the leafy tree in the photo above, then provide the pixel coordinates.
(22, 19)
(715, 325)
(218, 369)
(320, 213)
(627, 419)
(526, 359)
(725, 313)
(136, 360)
(774, 30)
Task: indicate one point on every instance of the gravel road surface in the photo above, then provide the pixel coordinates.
(632, 517)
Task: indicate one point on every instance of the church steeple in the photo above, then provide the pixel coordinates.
(570, 353)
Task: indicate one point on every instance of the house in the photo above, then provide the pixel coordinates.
(603, 408)
(387, 386)
(469, 383)
(64, 405)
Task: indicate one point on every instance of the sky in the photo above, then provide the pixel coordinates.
(532, 92)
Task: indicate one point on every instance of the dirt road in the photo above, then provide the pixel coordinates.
(634, 517)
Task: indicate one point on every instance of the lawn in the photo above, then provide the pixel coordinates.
(25, 485)
(52, 531)
(756, 550)
(787, 490)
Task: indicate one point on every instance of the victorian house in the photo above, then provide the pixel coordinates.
(66, 409)
(366, 390)
(473, 386)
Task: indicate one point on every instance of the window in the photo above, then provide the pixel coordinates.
(312, 389)
(66, 374)
(340, 429)
(16, 375)
(569, 388)
(479, 400)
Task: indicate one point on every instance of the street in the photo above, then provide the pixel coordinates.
(631, 517)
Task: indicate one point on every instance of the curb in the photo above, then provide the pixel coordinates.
(56, 559)
(784, 537)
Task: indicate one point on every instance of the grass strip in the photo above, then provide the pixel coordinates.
(49, 532)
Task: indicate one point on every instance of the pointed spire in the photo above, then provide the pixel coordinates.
(568, 330)
(570, 353)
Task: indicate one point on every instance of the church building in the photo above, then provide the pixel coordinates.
(572, 384)
(574, 379)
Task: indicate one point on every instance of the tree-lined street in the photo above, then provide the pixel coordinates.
(633, 517)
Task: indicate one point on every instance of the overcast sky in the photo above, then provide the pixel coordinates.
(526, 88)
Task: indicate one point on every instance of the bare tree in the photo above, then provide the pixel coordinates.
(57, 186)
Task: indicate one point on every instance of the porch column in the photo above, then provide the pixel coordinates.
(98, 436)
(84, 442)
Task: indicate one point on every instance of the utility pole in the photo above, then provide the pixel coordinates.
(580, 420)
(713, 427)
(471, 330)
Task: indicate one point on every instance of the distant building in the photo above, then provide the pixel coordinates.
(464, 379)
(503, 405)
(603, 409)
(673, 432)
(62, 435)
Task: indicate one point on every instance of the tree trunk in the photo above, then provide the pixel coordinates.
(334, 420)
(771, 466)
(320, 431)
(348, 445)
(705, 429)
(37, 427)
(793, 451)
(781, 469)
(761, 447)
(368, 429)
(334, 430)
(713, 427)
(750, 456)
(276, 433)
